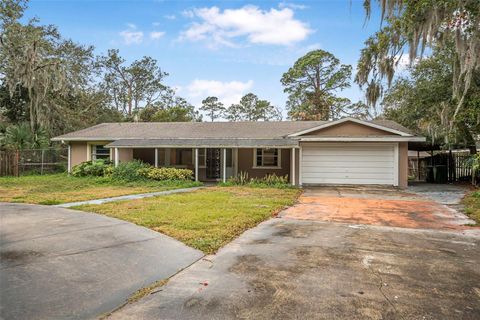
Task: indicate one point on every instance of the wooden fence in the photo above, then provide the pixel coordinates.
(40, 161)
(456, 165)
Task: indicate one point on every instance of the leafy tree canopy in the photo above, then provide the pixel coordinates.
(213, 108)
(410, 27)
(422, 101)
(312, 84)
(251, 108)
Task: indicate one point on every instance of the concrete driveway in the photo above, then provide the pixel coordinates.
(421, 206)
(62, 264)
(297, 267)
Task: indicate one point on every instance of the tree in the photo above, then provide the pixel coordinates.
(234, 113)
(131, 87)
(422, 101)
(213, 108)
(312, 83)
(39, 66)
(19, 136)
(170, 108)
(251, 108)
(412, 26)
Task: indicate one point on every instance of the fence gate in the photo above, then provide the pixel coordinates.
(9, 163)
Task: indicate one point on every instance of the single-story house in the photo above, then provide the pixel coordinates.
(346, 151)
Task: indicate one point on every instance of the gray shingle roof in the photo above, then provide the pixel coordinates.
(203, 143)
(200, 130)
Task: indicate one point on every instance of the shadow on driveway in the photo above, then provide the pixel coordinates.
(57, 263)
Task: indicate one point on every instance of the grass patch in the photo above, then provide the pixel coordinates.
(472, 206)
(205, 219)
(61, 188)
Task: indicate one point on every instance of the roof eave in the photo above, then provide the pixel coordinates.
(336, 122)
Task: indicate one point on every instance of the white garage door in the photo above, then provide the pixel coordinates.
(349, 163)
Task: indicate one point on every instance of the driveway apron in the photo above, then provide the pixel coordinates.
(62, 264)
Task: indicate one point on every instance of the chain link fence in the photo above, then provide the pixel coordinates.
(33, 161)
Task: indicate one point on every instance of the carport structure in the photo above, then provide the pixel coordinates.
(345, 151)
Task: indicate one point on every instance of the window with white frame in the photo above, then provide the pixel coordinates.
(267, 158)
(100, 152)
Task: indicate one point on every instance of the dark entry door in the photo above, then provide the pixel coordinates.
(213, 163)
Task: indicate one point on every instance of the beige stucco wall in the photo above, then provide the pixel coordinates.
(403, 164)
(349, 129)
(78, 153)
(124, 154)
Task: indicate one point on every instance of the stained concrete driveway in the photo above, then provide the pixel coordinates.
(311, 268)
(421, 206)
(62, 264)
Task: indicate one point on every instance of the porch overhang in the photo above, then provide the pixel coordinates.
(203, 143)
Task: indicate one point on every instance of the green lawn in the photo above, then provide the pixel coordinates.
(61, 188)
(472, 206)
(205, 219)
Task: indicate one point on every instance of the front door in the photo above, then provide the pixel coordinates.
(213, 163)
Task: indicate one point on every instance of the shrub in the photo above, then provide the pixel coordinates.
(163, 174)
(271, 180)
(98, 168)
(240, 179)
(131, 170)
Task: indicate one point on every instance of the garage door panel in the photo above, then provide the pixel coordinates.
(347, 158)
(352, 175)
(331, 163)
(348, 153)
(373, 170)
(346, 181)
(334, 164)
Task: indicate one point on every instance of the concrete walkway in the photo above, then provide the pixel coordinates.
(127, 197)
(58, 263)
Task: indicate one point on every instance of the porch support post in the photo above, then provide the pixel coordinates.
(224, 165)
(156, 157)
(300, 167)
(196, 164)
(293, 166)
(116, 157)
(69, 164)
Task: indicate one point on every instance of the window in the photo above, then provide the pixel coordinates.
(267, 158)
(100, 152)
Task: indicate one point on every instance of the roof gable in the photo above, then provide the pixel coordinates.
(352, 127)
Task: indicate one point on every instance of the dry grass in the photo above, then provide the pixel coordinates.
(61, 188)
(204, 219)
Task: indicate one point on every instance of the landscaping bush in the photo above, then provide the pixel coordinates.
(134, 170)
(271, 180)
(131, 170)
(98, 168)
(163, 174)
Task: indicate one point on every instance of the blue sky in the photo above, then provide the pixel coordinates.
(222, 48)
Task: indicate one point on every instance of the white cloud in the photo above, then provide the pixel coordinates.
(170, 17)
(155, 35)
(227, 92)
(188, 13)
(131, 35)
(156, 24)
(294, 6)
(275, 26)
